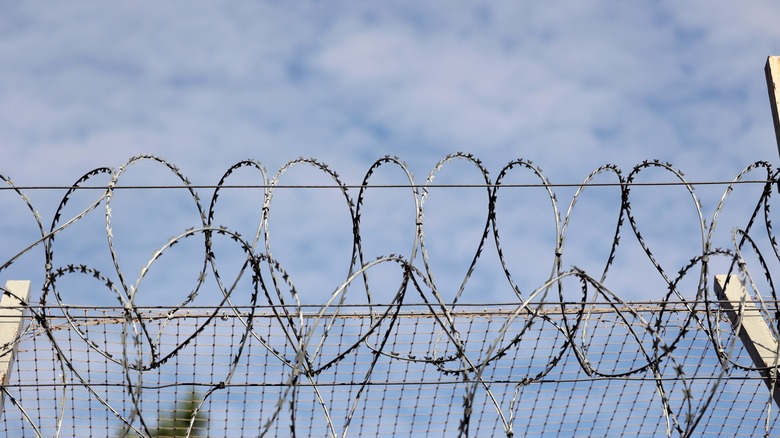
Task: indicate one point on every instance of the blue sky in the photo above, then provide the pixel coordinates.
(204, 85)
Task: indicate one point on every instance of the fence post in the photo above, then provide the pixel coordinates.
(772, 71)
(754, 332)
(11, 324)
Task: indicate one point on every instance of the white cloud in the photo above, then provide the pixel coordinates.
(206, 85)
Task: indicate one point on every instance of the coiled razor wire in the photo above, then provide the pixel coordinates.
(260, 362)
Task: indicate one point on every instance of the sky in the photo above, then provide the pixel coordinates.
(204, 85)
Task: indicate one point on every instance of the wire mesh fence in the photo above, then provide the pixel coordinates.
(407, 373)
(216, 336)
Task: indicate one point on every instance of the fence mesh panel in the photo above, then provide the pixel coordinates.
(388, 376)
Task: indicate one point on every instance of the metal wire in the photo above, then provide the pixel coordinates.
(394, 186)
(257, 361)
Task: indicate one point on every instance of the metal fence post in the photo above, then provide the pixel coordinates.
(772, 71)
(12, 312)
(753, 329)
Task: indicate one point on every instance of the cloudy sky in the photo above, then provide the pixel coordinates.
(202, 84)
(568, 85)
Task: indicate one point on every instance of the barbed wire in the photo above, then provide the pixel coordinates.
(259, 313)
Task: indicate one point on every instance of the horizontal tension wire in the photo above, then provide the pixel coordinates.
(389, 186)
